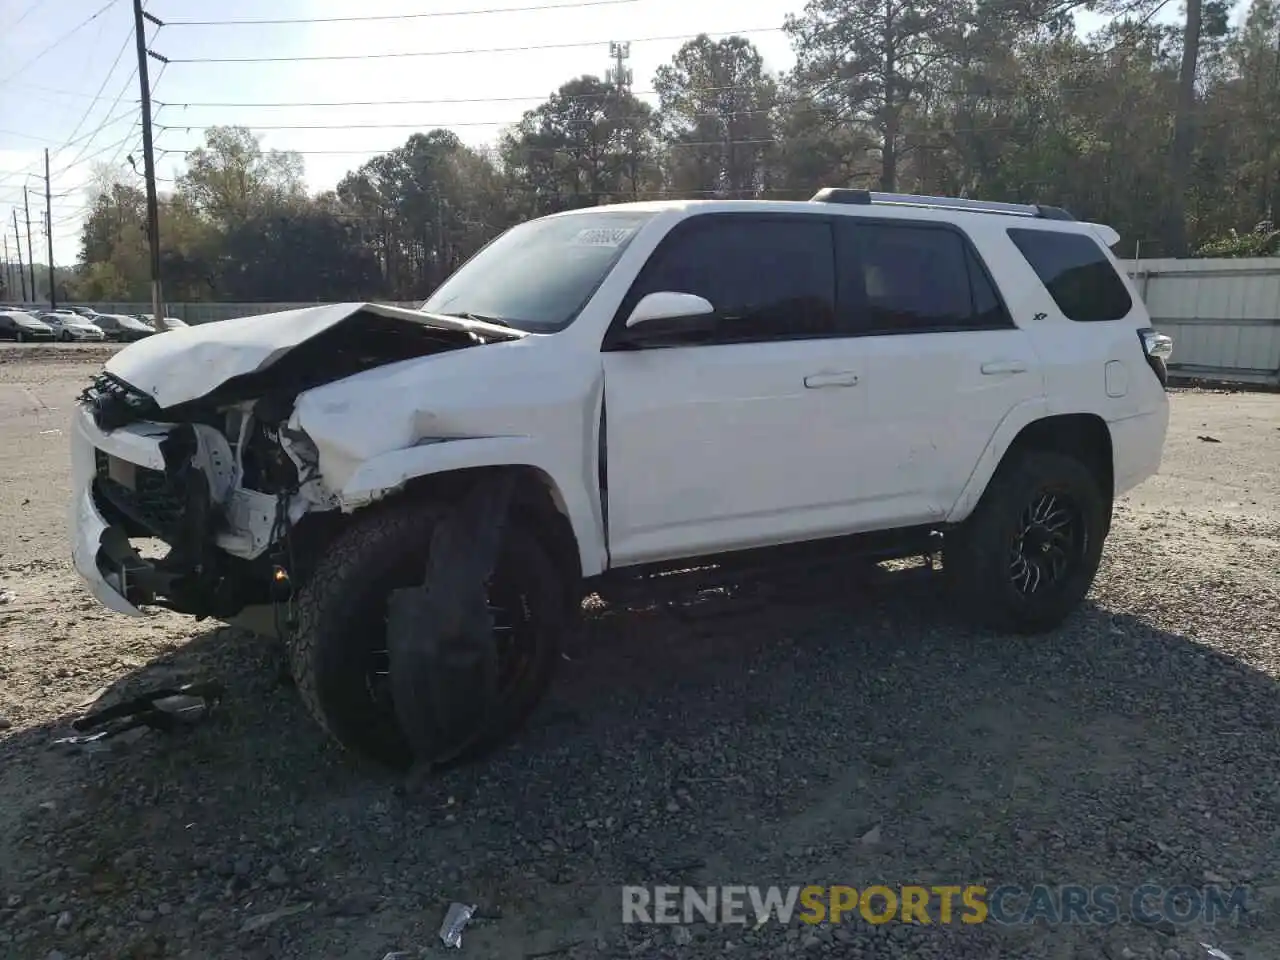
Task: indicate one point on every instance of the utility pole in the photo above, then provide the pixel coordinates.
(8, 271)
(48, 229)
(149, 161)
(22, 275)
(31, 257)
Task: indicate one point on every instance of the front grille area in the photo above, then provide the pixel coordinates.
(154, 501)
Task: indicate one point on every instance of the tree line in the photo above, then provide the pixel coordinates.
(1168, 132)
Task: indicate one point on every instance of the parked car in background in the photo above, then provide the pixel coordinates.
(170, 323)
(82, 311)
(21, 326)
(68, 326)
(117, 326)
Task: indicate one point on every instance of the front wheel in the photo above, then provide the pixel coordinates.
(66, 337)
(1028, 554)
(339, 651)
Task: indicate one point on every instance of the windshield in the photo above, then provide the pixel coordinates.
(539, 275)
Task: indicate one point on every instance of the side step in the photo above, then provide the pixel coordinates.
(824, 558)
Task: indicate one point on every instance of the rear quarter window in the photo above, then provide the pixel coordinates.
(1076, 272)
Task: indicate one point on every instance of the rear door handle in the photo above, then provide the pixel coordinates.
(994, 367)
(846, 378)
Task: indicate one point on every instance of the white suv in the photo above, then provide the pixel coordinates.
(419, 500)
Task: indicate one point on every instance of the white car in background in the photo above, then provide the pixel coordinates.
(69, 326)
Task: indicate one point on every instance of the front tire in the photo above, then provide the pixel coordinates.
(338, 651)
(66, 337)
(1027, 556)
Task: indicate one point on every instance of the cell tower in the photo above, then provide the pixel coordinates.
(619, 74)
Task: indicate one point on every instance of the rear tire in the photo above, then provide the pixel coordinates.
(19, 337)
(1028, 554)
(341, 613)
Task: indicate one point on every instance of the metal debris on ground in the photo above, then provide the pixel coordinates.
(455, 921)
(266, 919)
(166, 710)
(1215, 953)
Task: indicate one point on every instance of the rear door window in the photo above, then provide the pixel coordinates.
(913, 278)
(1076, 272)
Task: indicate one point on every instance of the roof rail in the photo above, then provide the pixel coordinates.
(849, 195)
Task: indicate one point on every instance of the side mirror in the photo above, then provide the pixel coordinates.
(672, 307)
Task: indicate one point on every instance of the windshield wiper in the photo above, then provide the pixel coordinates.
(479, 318)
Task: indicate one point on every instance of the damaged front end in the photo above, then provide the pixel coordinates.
(221, 494)
(218, 479)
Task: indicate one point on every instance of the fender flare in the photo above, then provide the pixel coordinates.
(1018, 417)
(387, 473)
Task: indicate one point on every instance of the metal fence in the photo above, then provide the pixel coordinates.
(1224, 315)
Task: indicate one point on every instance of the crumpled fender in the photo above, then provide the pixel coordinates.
(385, 474)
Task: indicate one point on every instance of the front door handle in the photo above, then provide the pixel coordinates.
(846, 378)
(994, 367)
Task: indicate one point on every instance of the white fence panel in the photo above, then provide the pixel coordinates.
(1223, 315)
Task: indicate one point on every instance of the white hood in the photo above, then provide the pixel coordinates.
(197, 360)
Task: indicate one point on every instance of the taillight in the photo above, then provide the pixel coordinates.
(1157, 348)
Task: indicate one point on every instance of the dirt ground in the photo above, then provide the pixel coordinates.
(836, 735)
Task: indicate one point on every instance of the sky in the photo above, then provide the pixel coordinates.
(68, 80)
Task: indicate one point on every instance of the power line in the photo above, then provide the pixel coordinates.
(442, 100)
(545, 97)
(61, 93)
(309, 153)
(62, 39)
(119, 96)
(26, 13)
(105, 80)
(63, 144)
(468, 52)
(757, 111)
(577, 4)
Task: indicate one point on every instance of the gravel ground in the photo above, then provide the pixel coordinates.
(833, 735)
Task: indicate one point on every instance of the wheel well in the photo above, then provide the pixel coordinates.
(537, 500)
(1084, 436)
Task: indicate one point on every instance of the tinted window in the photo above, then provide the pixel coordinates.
(539, 275)
(767, 279)
(1076, 272)
(903, 278)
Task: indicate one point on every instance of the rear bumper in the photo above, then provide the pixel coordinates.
(1137, 446)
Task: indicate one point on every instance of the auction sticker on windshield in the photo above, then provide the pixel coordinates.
(602, 236)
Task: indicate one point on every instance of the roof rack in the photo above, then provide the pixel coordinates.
(849, 195)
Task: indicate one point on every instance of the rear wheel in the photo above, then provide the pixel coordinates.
(1028, 554)
(339, 652)
(20, 336)
(66, 337)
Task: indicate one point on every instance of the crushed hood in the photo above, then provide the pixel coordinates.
(191, 363)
